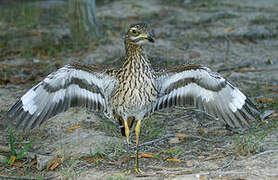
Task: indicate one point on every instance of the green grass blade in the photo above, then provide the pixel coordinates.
(11, 141)
(23, 150)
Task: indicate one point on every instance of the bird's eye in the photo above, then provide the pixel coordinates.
(134, 32)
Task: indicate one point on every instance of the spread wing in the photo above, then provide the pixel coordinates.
(72, 85)
(208, 91)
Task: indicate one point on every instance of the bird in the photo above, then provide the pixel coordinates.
(133, 92)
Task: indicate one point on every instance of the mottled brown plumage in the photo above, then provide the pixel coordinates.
(132, 92)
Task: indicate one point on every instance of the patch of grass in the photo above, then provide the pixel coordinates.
(20, 14)
(108, 127)
(27, 22)
(250, 143)
(151, 129)
(275, 105)
(209, 5)
(258, 20)
(262, 19)
(15, 156)
(173, 152)
(256, 90)
(111, 150)
(71, 172)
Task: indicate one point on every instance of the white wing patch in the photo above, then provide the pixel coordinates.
(28, 102)
(67, 87)
(207, 91)
(238, 100)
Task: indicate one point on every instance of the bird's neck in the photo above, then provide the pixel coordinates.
(135, 57)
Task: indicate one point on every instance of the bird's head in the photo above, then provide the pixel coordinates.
(138, 34)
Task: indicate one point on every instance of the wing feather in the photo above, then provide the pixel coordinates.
(72, 85)
(200, 87)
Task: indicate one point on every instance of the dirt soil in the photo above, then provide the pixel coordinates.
(239, 39)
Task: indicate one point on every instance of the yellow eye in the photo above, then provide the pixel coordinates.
(134, 32)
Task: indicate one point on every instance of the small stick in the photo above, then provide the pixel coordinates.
(226, 165)
(264, 153)
(157, 140)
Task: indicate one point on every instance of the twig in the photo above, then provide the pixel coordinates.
(168, 168)
(226, 165)
(157, 140)
(203, 138)
(264, 153)
(231, 68)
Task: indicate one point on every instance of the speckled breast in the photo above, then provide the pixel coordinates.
(135, 96)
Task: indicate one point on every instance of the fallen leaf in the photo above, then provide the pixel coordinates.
(16, 81)
(4, 174)
(265, 100)
(75, 127)
(21, 139)
(270, 88)
(54, 163)
(17, 164)
(146, 155)
(93, 160)
(241, 42)
(180, 136)
(143, 156)
(174, 160)
(228, 29)
(12, 159)
(173, 140)
(242, 70)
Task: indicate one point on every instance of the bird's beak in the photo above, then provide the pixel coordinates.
(148, 37)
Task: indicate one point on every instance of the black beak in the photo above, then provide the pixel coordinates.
(150, 39)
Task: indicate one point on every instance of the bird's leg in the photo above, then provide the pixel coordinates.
(137, 132)
(126, 131)
(127, 142)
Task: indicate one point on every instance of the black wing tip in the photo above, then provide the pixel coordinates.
(17, 116)
(249, 112)
(14, 108)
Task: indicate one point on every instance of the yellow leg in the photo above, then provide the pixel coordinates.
(137, 132)
(126, 131)
(127, 140)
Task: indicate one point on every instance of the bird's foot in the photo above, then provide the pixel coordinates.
(138, 171)
(127, 172)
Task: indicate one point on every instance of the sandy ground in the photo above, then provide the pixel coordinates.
(236, 38)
